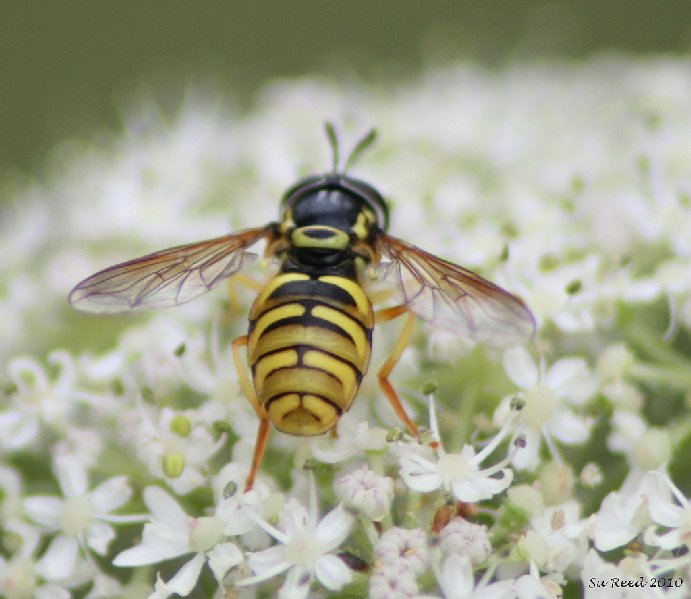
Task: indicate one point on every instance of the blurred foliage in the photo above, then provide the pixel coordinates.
(70, 67)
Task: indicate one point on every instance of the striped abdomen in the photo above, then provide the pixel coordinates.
(309, 347)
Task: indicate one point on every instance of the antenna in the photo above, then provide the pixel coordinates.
(333, 142)
(360, 146)
(364, 142)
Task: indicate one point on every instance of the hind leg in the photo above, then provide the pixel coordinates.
(250, 394)
(390, 363)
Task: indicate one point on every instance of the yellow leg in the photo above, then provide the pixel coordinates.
(248, 390)
(378, 297)
(248, 281)
(245, 382)
(392, 360)
(245, 280)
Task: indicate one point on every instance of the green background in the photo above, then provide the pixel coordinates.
(69, 68)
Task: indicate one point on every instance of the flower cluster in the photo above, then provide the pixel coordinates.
(543, 470)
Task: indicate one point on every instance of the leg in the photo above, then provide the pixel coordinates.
(241, 279)
(248, 390)
(392, 360)
(248, 281)
(245, 383)
(259, 449)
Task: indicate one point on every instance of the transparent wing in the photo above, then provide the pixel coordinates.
(169, 277)
(452, 297)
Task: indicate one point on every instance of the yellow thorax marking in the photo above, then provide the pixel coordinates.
(363, 223)
(287, 222)
(329, 238)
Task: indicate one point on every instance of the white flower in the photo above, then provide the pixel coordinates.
(624, 514)
(549, 396)
(178, 454)
(365, 492)
(675, 516)
(560, 533)
(82, 517)
(207, 366)
(152, 350)
(305, 548)
(466, 539)
(548, 295)
(400, 546)
(171, 533)
(458, 473)
(20, 578)
(84, 443)
(233, 506)
(36, 398)
(23, 576)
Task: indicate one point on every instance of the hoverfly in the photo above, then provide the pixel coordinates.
(310, 327)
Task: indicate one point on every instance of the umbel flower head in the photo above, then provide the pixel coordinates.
(127, 441)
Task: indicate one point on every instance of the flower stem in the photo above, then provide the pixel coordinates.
(654, 346)
(674, 377)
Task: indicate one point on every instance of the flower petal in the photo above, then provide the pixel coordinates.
(422, 483)
(153, 549)
(666, 513)
(186, 577)
(332, 572)
(520, 367)
(71, 475)
(571, 377)
(294, 517)
(267, 559)
(52, 591)
(457, 576)
(482, 487)
(110, 495)
(164, 508)
(60, 559)
(334, 528)
(44, 510)
(98, 537)
(528, 456)
(296, 586)
(670, 540)
(222, 558)
(569, 428)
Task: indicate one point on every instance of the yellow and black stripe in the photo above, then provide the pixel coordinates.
(309, 346)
